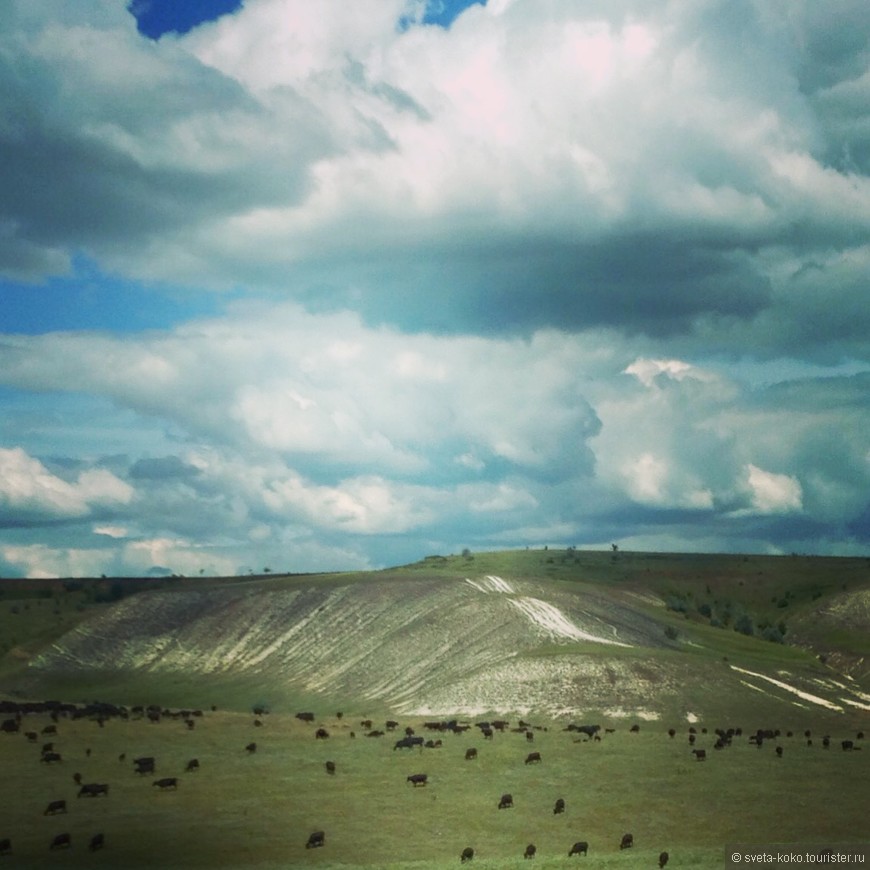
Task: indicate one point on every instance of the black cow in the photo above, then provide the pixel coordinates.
(192, 765)
(391, 725)
(417, 779)
(672, 732)
(97, 842)
(506, 801)
(663, 859)
(700, 754)
(530, 735)
(31, 736)
(48, 747)
(470, 754)
(318, 838)
(77, 778)
(634, 729)
(581, 847)
(10, 726)
(55, 807)
(50, 729)
(61, 841)
(251, 748)
(330, 768)
(305, 717)
(779, 751)
(5, 846)
(627, 841)
(146, 764)
(533, 758)
(50, 757)
(94, 789)
(166, 782)
(408, 743)
(531, 849)
(321, 734)
(467, 854)
(559, 806)
(847, 745)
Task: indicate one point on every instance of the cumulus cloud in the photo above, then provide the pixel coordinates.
(579, 272)
(29, 489)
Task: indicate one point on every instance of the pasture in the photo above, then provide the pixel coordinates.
(243, 809)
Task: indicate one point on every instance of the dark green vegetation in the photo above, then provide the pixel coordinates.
(732, 641)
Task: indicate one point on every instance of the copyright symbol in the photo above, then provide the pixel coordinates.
(736, 857)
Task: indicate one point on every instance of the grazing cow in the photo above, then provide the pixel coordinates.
(258, 723)
(391, 725)
(94, 789)
(417, 779)
(634, 729)
(192, 765)
(122, 757)
(191, 724)
(5, 846)
(55, 807)
(50, 729)
(530, 735)
(97, 842)
(531, 849)
(663, 859)
(365, 723)
(146, 764)
(61, 841)
(50, 757)
(847, 745)
(321, 734)
(826, 742)
(251, 748)
(506, 801)
(318, 838)
(166, 782)
(10, 726)
(533, 757)
(470, 754)
(77, 778)
(559, 806)
(691, 740)
(700, 754)
(672, 733)
(31, 736)
(627, 841)
(330, 768)
(487, 733)
(48, 747)
(581, 847)
(467, 854)
(779, 752)
(305, 717)
(408, 743)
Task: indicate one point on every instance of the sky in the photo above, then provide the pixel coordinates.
(337, 286)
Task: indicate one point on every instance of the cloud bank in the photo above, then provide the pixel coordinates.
(550, 274)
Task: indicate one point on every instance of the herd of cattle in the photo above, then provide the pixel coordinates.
(18, 714)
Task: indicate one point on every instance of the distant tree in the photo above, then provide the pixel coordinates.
(744, 625)
(267, 570)
(614, 547)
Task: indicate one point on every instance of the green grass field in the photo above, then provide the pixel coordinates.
(242, 810)
(257, 810)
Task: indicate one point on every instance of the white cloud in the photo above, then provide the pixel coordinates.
(773, 493)
(27, 487)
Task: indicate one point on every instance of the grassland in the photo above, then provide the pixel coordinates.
(242, 810)
(392, 643)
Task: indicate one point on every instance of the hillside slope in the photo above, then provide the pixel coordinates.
(451, 639)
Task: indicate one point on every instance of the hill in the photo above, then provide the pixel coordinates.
(560, 633)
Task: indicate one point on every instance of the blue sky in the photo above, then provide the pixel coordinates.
(325, 286)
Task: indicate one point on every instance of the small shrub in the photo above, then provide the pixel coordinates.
(744, 625)
(671, 633)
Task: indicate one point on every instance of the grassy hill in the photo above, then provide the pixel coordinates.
(619, 639)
